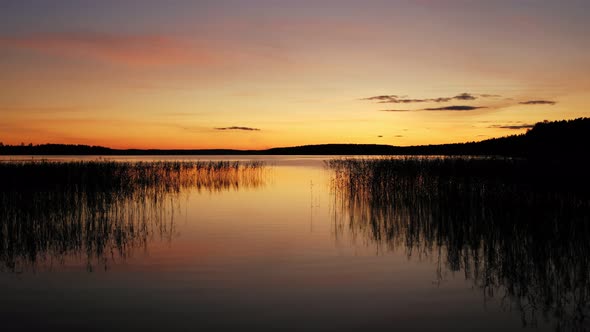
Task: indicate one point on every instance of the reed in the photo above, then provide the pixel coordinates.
(58, 210)
(514, 239)
(128, 176)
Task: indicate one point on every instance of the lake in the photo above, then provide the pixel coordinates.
(293, 244)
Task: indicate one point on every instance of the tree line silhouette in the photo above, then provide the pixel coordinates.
(554, 140)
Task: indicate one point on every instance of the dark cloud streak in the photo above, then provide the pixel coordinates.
(395, 99)
(514, 127)
(538, 102)
(465, 96)
(237, 128)
(446, 108)
(383, 97)
(454, 108)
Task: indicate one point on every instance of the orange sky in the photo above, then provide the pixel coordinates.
(274, 73)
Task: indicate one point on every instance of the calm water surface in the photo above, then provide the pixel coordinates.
(290, 248)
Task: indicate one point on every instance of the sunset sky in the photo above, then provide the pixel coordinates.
(260, 73)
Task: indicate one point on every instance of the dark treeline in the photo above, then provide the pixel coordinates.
(557, 139)
(516, 239)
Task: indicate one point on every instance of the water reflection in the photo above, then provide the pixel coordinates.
(516, 240)
(57, 212)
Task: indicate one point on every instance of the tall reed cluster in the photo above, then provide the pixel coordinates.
(482, 217)
(60, 210)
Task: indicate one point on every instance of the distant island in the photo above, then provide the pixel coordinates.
(547, 140)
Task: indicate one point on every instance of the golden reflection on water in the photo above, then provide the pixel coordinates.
(347, 229)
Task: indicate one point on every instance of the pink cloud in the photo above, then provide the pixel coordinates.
(131, 50)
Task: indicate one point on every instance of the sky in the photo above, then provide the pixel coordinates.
(258, 74)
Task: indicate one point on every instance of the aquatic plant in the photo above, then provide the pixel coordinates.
(522, 241)
(60, 210)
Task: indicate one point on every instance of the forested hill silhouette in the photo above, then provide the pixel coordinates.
(548, 140)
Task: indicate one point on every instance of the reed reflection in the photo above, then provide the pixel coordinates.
(100, 211)
(524, 242)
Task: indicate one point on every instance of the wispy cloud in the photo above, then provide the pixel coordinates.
(237, 128)
(538, 102)
(396, 99)
(446, 108)
(382, 98)
(455, 108)
(40, 109)
(132, 50)
(514, 126)
(465, 96)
